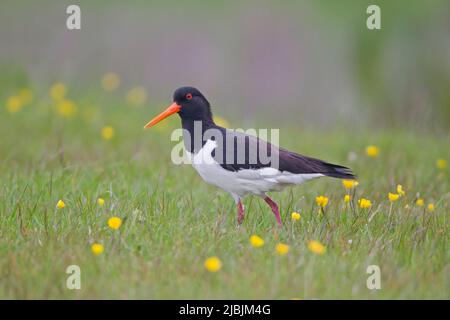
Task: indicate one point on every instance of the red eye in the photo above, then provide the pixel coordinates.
(189, 96)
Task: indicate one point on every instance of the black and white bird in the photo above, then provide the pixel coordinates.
(239, 163)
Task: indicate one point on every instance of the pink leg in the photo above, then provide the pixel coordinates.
(275, 210)
(240, 212)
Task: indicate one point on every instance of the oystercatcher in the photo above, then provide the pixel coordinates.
(239, 163)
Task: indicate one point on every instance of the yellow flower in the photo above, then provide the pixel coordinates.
(108, 132)
(364, 203)
(60, 204)
(100, 202)
(114, 223)
(137, 96)
(316, 247)
(26, 95)
(256, 241)
(400, 190)
(349, 184)
(420, 202)
(282, 249)
(372, 151)
(295, 216)
(393, 196)
(347, 198)
(110, 81)
(14, 104)
(441, 164)
(430, 207)
(322, 201)
(58, 91)
(66, 108)
(213, 264)
(97, 249)
(221, 122)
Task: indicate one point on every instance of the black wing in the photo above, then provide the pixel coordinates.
(237, 151)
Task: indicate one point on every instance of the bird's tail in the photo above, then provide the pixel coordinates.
(341, 172)
(336, 171)
(330, 169)
(300, 164)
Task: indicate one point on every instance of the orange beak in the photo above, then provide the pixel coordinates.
(173, 108)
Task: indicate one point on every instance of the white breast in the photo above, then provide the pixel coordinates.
(242, 182)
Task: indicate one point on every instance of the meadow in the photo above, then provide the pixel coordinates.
(70, 159)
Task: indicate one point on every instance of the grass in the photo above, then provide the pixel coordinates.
(172, 221)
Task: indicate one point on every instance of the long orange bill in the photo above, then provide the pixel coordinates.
(173, 108)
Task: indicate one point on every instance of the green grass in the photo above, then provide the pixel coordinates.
(173, 221)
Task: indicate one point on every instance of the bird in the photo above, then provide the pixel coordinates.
(240, 163)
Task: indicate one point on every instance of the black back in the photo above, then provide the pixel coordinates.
(236, 150)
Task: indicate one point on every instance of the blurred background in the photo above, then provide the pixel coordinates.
(73, 104)
(311, 63)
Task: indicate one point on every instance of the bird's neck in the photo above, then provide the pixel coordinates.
(195, 132)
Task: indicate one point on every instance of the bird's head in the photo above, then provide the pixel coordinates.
(189, 103)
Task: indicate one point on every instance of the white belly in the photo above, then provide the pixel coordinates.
(246, 181)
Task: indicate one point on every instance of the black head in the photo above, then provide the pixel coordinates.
(193, 104)
(190, 104)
